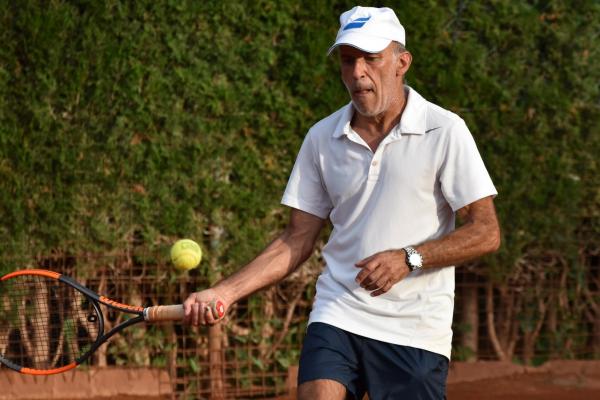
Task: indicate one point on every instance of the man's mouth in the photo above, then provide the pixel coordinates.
(362, 92)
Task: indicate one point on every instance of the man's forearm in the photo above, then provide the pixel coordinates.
(479, 235)
(273, 264)
(464, 244)
(277, 260)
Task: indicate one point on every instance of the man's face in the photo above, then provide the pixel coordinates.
(372, 79)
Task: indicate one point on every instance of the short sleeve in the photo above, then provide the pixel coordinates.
(305, 190)
(464, 177)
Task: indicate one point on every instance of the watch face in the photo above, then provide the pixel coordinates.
(415, 260)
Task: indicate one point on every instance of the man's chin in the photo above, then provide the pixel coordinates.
(365, 111)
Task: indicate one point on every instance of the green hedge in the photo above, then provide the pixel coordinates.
(141, 122)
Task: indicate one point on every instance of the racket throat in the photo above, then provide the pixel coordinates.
(117, 329)
(10, 364)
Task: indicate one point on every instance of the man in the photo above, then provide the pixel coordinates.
(390, 170)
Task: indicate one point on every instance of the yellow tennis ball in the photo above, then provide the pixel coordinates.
(186, 254)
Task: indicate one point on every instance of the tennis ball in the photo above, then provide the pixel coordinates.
(186, 254)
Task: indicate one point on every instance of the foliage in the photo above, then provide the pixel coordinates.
(135, 123)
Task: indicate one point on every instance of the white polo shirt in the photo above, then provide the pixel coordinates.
(404, 194)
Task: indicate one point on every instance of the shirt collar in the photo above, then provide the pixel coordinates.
(413, 121)
(343, 126)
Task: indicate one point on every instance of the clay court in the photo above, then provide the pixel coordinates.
(564, 380)
(556, 380)
(525, 387)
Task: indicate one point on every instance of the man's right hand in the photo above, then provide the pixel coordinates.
(204, 308)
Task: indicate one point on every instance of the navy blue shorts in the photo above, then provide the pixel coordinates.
(383, 370)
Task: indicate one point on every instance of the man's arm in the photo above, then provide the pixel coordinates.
(479, 235)
(275, 262)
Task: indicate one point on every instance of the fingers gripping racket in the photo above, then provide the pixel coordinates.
(49, 323)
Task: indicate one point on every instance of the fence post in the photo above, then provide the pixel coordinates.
(470, 318)
(215, 348)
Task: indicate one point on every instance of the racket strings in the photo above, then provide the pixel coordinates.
(44, 323)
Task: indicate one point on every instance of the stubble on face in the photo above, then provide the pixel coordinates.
(370, 79)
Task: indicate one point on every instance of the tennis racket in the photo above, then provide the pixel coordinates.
(49, 323)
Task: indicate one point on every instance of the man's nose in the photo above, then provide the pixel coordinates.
(358, 69)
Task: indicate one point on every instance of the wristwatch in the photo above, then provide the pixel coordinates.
(414, 259)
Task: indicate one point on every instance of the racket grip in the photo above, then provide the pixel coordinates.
(176, 312)
(164, 313)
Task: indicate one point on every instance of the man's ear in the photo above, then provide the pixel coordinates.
(404, 61)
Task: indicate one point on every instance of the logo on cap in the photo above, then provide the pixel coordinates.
(357, 23)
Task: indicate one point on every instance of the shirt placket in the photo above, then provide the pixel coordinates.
(375, 165)
(377, 157)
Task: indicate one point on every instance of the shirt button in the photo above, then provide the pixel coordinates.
(374, 163)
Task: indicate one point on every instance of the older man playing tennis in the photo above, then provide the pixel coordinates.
(390, 170)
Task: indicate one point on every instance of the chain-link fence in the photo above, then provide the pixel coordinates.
(251, 353)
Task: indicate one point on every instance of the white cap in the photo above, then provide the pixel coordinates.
(369, 29)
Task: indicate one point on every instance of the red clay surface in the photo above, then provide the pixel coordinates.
(123, 398)
(564, 380)
(525, 387)
(556, 380)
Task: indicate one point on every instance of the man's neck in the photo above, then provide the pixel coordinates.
(373, 129)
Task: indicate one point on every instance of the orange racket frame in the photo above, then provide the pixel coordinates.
(142, 314)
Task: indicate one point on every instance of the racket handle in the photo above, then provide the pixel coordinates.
(164, 313)
(176, 312)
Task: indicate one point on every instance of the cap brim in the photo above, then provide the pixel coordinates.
(369, 44)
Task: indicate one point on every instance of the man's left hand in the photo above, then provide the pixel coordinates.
(381, 271)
